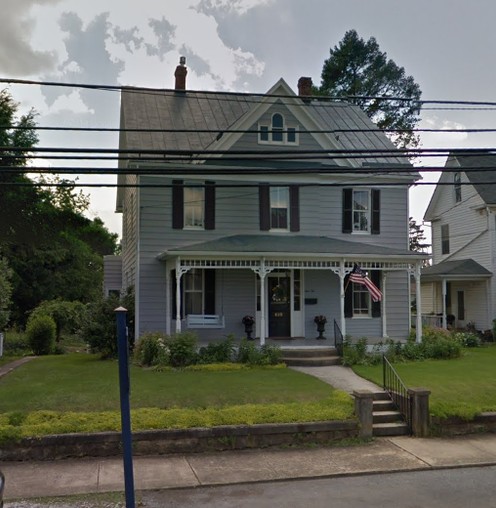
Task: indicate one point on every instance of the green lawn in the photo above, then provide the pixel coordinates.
(80, 382)
(465, 386)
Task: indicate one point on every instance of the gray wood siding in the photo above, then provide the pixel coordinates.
(397, 305)
(112, 274)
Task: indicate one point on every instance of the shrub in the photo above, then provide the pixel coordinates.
(355, 353)
(250, 354)
(151, 349)
(182, 349)
(40, 332)
(15, 343)
(218, 352)
(467, 339)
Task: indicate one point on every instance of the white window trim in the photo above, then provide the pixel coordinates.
(202, 290)
(362, 289)
(285, 128)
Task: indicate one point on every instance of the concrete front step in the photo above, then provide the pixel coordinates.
(386, 416)
(390, 429)
(383, 405)
(323, 361)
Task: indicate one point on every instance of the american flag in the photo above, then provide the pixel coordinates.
(358, 276)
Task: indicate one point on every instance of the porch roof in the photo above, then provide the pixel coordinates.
(290, 246)
(457, 269)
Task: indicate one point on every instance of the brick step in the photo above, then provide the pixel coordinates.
(390, 429)
(323, 361)
(308, 352)
(386, 416)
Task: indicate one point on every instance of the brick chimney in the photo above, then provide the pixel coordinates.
(180, 74)
(305, 86)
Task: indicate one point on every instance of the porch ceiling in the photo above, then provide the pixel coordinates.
(461, 269)
(294, 246)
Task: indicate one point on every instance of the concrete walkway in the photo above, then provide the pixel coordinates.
(70, 477)
(340, 377)
(9, 367)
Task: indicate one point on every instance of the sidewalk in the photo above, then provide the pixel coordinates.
(80, 476)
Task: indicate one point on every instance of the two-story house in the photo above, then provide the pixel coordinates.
(459, 288)
(241, 204)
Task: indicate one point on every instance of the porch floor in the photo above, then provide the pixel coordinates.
(298, 343)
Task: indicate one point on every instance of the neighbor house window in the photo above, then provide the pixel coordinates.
(361, 211)
(445, 241)
(278, 131)
(457, 185)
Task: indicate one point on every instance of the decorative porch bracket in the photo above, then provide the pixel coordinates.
(262, 271)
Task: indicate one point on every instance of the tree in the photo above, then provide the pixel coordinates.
(360, 71)
(5, 292)
(53, 250)
(417, 237)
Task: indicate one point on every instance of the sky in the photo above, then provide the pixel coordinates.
(448, 46)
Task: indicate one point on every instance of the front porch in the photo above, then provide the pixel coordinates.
(283, 283)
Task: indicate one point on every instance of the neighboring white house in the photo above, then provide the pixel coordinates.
(459, 288)
(210, 235)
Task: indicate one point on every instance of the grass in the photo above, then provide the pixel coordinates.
(81, 382)
(462, 387)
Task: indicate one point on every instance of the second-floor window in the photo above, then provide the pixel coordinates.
(193, 206)
(445, 241)
(279, 208)
(361, 211)
(278, 131)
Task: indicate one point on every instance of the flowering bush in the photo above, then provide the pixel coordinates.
(320, 320)
(248, 320)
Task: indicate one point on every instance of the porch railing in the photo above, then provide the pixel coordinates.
(397, 390)
(338, 339)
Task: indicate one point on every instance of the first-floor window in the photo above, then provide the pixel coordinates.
(193, 292)
(361, 301)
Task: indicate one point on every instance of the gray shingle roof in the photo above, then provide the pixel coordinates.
(290, 244)
(457, 268)
(484, 181)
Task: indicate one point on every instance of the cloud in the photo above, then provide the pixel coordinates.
(17, 57)
(228, 7)
(164, 31)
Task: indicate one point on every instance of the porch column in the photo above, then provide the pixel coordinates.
(262, 272)
(384, 316)
(167, 299)
(180, 271)
(444, 293)
(418, 297)
(342, 274)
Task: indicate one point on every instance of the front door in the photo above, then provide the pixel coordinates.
(279, 305)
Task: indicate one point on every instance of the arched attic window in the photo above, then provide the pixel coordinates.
(278, 132)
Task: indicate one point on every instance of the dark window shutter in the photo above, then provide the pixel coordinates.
(177, 204)
(264, 204)
(347, 210)
(376, 212)
(209, 296)
(375, 277)
(294, 206)
(348, 298)
(209, 205)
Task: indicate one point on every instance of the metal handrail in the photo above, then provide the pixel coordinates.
(397, 390)
(338, 339)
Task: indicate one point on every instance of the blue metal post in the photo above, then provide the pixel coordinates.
(127, 444)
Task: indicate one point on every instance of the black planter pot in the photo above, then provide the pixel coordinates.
(249, 331)
(321, 330)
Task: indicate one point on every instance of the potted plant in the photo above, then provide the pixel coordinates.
(320, 321)
(248, 321)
